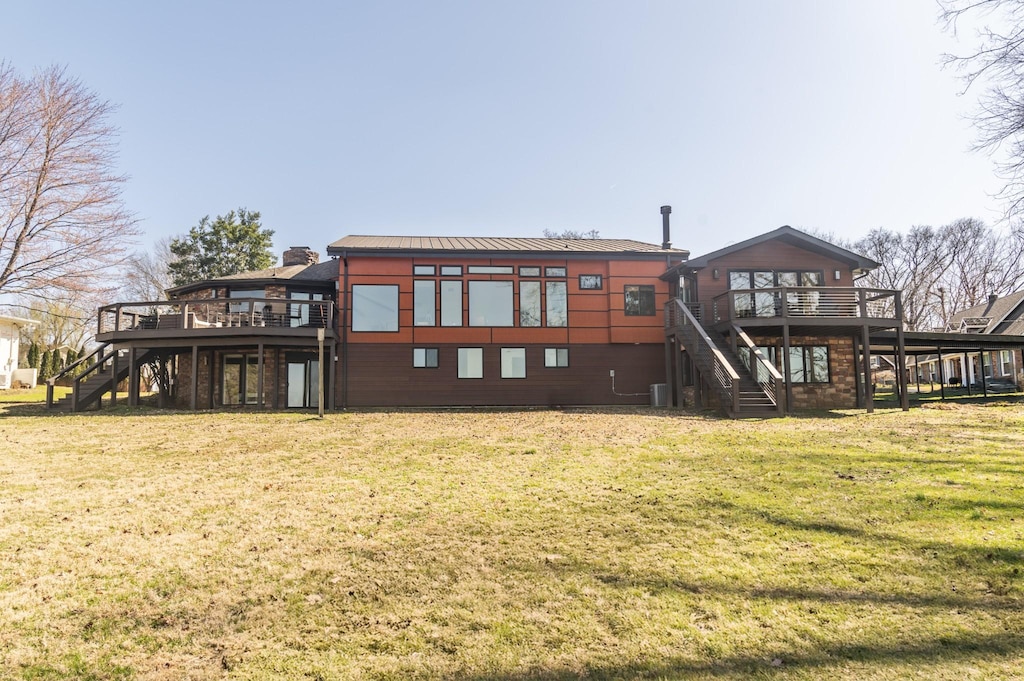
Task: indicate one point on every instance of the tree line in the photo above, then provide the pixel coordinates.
(943, 270)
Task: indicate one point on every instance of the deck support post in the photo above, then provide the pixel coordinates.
(259, 375)
(133, 377)
(869, 396)
(210, 374)
(113, 380)
(901, 360)
(786, 367)
(194, 396)
(966, 374)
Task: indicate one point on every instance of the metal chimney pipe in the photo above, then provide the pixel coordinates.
(666, 239)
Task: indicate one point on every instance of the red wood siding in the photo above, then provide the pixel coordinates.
(772, 255)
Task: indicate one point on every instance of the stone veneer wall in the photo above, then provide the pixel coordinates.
(841, 391)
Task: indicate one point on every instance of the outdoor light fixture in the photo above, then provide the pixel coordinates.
(714, 273)
(839, 275)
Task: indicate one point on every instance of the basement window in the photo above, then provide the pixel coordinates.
(556, 358)
(513, 362)
(808, 364)
(471, 362)
(424, 358)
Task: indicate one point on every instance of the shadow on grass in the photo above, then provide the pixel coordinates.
(909, 655)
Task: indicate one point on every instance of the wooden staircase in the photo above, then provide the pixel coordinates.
(96, 380)
(738, 393)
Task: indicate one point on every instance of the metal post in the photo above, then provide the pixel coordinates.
(113, 379)
(942, 375)
(320, 368)
(786, 367)
(133, 377)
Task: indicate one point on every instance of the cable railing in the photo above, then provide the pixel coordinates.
(185, 315)
(832, 302)
(705, 353)
(763, 371)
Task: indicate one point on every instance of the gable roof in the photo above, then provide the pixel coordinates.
(321, 272)
(438, 245)
(794, 237)
(1004, 316)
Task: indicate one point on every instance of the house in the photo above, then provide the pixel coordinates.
(456, 321)
(997, 316)
(766, 326)
(10, 343)
(776, 323)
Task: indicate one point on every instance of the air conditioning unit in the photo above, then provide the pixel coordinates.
(5, 381)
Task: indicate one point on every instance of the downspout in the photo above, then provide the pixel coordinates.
(344, 331)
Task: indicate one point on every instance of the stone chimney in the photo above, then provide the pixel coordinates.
(300, 255)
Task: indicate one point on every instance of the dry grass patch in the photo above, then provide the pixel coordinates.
(519, 545)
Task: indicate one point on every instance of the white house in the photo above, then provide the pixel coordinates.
(10, 334)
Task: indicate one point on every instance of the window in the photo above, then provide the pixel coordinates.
(491, 269)
(1006, 360)
(808, 364)
(374, 307)
(451, 303)
(557, 303)
(245, 293)
(529, 303)
(513, 362)
(529, 271)
(303, 380)
(424, 269)
(423, 303)
(490, 303)
(556, 357)
(424, 358)
(639, 299)
(590, 282)
(554, 271)
(451, 270)
(239, 379)
(471, 362)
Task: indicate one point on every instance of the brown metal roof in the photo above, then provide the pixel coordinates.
(462, 244)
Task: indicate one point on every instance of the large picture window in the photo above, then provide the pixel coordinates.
(639, 300)
(529, 303)
(374, 307)
(557, 303)
(490, 303)
(423, 303)
(808, 364)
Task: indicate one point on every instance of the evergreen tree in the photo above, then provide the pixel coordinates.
(55, 363)
(229, 244)
(33, 355)
(44, 366)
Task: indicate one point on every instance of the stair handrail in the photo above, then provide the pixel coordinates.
(51, 381)
(728, 381)
(772, 388)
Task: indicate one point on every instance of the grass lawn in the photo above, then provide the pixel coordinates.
(521, 545)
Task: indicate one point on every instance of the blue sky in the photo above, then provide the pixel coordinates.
(506, 117)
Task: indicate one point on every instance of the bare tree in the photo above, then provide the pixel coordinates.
(63, 224)
(571, 234)
(995, 64)
(147, 273)
(983, 262)
(912, 263)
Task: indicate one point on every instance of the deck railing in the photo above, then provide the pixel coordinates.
(725, 381)
(832, 302)
(216, 313)
(763, 371)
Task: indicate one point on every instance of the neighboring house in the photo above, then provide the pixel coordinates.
(10, 335)
(762, 327)
(999, 316)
